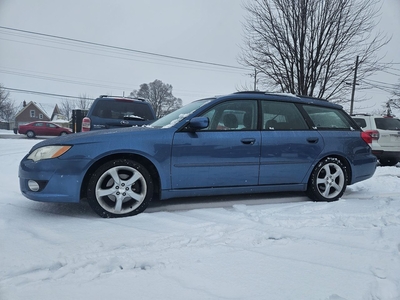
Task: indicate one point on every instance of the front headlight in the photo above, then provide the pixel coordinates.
(48, 152)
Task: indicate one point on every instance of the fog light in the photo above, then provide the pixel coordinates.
(33, 185)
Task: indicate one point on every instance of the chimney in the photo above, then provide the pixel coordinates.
(24, 103)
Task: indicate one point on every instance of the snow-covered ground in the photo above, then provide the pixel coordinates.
(264, 247)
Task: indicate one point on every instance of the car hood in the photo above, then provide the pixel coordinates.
(101, 136)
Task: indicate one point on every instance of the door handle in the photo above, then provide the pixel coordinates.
(248, 141)
(312, 140)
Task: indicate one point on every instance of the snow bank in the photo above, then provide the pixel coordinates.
(274, 246)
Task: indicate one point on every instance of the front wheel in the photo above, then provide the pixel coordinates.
(328, 180)
(120, 188)
(30, 134)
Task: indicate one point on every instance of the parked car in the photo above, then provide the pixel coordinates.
(113, 112)
(385, 137)
(242, 143)
(42, 128)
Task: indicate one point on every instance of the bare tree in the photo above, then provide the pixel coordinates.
(4, 97)
(8, 108)
(309, 47)
(67, 105)
(83, 102)
(160, 96)
(396, 96)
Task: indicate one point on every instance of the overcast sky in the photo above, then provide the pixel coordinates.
(207, 31)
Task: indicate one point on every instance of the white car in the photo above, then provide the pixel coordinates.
(385, 133)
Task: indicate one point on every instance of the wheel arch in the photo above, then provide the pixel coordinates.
(138, 158)
(343, 160)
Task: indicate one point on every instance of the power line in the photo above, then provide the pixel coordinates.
(120, 48)
(43, 93)
(381, 86)
(52, 78)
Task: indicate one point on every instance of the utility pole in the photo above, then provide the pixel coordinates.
(353, 87)
(255, 79)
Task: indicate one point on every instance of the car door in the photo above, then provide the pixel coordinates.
(52, 129)
(40, 128)
(224, 154)
(289, 147)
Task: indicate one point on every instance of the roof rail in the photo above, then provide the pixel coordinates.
(311, 97)
(361, 114)
(249, 92)
(124, 97)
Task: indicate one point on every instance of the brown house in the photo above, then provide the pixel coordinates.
(30, 113)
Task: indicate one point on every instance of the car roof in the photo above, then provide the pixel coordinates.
(106, 97)
(284, 97)
(372, 116)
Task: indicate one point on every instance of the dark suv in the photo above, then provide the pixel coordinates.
(113, 112)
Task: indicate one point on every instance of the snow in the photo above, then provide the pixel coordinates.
(271, 246)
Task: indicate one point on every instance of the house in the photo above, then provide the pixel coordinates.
(58, 118)
(32, 112)
(29, 113)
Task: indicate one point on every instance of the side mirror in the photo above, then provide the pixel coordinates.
(198, 123)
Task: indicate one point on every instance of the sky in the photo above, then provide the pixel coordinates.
(269, 246)
(206, 36)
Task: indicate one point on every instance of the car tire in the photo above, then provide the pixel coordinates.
(328, 180)
(388, 162)
(120, 188)
(30, 134)
(63, 133)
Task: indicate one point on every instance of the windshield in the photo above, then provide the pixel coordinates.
(178, 115)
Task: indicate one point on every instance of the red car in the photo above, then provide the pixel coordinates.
(42, 128)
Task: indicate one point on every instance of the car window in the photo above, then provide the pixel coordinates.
(123, 109)
(51, 125)
(39, 124)
(387, 123)
(178, 115)
(233, 115)
(360, 122)
(282, 116)
(327, 118)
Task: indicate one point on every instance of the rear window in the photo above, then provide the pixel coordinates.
(360, 122)
(123, 109)
(328, 118)
(387, 123)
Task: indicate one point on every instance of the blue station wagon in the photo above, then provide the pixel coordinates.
(242, 143)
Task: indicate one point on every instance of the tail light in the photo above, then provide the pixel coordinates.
(86, 124)
(369, 135)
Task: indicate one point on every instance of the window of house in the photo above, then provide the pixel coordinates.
(32, 113)
(40, 116)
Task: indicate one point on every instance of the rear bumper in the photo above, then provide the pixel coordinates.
(386, 154)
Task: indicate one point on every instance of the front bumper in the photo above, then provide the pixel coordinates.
(59, 180)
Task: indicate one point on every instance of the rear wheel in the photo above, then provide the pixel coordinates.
(30, 134)
(120, 188)
(328, 180)
(63, 133)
